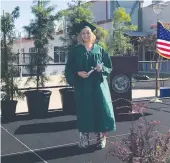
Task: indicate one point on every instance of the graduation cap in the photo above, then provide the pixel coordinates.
(81, 25)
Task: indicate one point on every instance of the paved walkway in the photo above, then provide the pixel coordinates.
(55, 100)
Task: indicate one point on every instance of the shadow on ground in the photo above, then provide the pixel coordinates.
(25, 116)
(46, 127)
(66, 125)
(129, 117)
(48, 154)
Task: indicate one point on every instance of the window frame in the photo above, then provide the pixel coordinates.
(61, 51)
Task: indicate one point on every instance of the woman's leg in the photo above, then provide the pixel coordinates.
(84, 140)
(101, 140)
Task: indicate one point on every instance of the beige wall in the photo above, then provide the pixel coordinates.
(28, 44)
(25, 44)
(107, 26)
(99, 10)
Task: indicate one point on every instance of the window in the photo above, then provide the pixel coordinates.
(22, 50)
(23, 55)
(30, 57)
(59, 55)
(27, 58)
(32, 50)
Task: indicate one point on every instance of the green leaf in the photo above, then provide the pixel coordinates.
(8, 58)
(119, 43)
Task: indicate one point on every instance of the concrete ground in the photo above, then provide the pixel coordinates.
(54, 138)
(55, 100)
(150, 84)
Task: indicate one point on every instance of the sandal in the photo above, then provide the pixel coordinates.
(101, 141)
(84, 140)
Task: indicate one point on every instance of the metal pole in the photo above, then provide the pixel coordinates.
(157, 66)
(157, 76)
(156, 91)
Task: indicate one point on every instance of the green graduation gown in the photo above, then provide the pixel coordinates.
(92, 95)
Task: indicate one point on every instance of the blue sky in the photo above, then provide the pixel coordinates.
(25, 11)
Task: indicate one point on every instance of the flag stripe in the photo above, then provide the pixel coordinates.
(162, 46)
(163, 52)
(164, 56)
(164, 49)
(163, 41)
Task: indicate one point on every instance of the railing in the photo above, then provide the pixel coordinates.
(50, 70)
(144, 66)
(58, 68)
(149, 66)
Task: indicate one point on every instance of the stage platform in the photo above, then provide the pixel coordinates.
(54, 139)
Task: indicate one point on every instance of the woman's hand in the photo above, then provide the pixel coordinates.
(99, 67)
(83, 74)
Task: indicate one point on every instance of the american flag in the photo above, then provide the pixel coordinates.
(163, 41)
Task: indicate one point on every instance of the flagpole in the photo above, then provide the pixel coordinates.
(157, 7)
(157, 74)
(156, 99)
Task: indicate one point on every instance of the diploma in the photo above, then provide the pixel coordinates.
(91, 71)
(94, 68)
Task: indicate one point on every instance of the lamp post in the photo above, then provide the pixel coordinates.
(157, 7)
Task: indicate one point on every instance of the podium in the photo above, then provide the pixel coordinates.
(120, 82)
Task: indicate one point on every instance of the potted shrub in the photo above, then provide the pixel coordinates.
(41, 29)
(9, 71)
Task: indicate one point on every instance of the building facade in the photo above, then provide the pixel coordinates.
(142, 17)
(149, 21)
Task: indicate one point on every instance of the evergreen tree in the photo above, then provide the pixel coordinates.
(41, 29)
(8, 70)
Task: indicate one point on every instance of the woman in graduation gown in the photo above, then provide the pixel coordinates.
(92, 95)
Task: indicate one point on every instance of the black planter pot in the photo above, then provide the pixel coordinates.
(8, 109)
(38, 102)
(68, 100)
